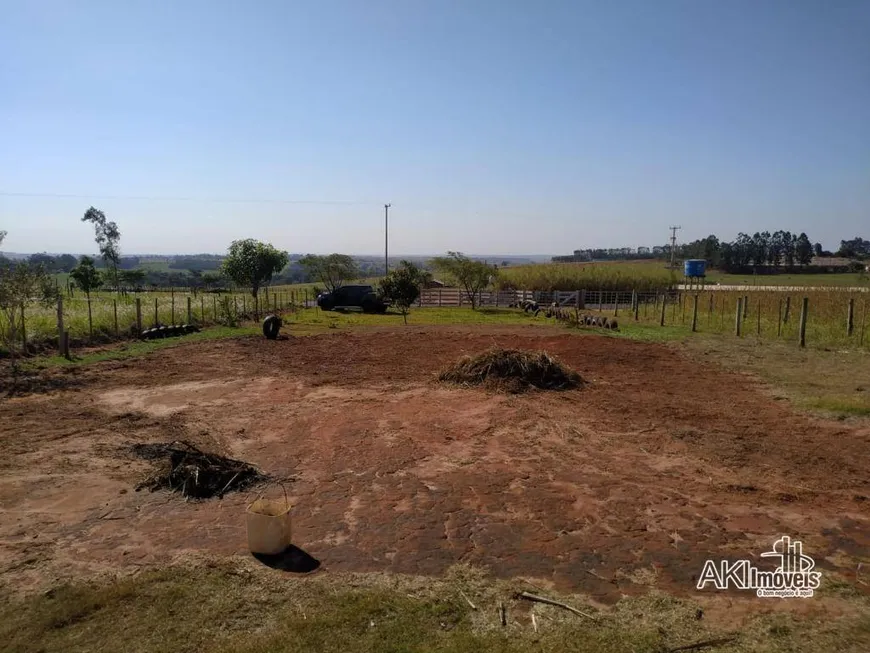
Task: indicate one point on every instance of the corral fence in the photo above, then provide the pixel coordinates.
(823, 317)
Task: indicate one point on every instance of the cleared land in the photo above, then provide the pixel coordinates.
(623, 486)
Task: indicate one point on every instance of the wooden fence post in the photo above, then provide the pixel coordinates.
(664, 303)
(739, 317)
(616, 304)
(138, 315)
(583, 298)
(189, 311)
(636, 300)
(600, 300)
(745, 306)
(802, 331)
(60, 324)
(156, 316)
(214, 308)
(202, 309)
(863, 318)
(90, 318)
(115, 311)
(694, 313)
(779, 319)
(758, 319)
(439, 298)
(23, 332)
(787, 309)
(710, 309)
(850, 317)
(64, 343)
(172, 310)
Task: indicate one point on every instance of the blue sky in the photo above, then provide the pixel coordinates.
(492, 127)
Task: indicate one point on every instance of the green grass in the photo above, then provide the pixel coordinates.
(235, 607)
(852, 279)
(841, 406)
(416, 316)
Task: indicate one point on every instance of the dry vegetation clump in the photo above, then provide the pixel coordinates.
(513, 370)
(193, 472)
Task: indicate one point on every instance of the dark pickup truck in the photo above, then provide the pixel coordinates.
(363, 297)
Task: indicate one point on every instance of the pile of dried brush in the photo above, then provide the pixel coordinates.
(512, 370)
(194, 473)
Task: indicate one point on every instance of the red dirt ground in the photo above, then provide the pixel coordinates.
(630, 482)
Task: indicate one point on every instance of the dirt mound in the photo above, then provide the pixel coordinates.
(513, 370)
(193, 472)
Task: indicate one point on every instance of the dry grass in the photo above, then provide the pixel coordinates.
(239, 606)
(512, 370)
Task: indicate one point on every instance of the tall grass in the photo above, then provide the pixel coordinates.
(768, 315)
(156, 308)
(589, 276)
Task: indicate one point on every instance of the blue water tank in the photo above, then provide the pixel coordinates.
(695, 267)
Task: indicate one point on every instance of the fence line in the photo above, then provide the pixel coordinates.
(825, 317)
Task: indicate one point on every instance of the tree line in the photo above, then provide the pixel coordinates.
(761, 249)
(780, 249)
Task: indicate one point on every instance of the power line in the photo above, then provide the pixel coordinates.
(205, 200)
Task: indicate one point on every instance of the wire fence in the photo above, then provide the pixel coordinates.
(822, 317)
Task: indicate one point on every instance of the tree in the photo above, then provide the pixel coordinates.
(788, 248)
(803, 250)
(87, 278)
(251, 264)
(817, 249)
(472, 275)
(402, 286)
(332, 270)
(855, 248)
(211, 279)
(21, 284)
(775, 247)
(108, 239)
(132, 278)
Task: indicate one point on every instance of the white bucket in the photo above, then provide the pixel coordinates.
(269, 525)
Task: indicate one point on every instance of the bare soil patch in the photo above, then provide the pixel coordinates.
(629, 483)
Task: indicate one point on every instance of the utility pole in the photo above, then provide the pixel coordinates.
(387, 238)
(674, 229)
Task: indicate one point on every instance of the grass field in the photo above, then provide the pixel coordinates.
(650, 275)
(853, 279)
(238, 608)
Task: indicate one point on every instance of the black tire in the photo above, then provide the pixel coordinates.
(369, 306)
(271, 326)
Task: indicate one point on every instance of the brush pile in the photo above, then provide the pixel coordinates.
(194, 473)
(512, 370)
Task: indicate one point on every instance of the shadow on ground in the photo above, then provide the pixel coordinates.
(292, 559)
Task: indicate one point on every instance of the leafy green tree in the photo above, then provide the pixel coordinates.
(132, 278)
(803, 250)
(473, 276)
(332, 270)
(21, 285)
(251, 264)
(108, 239)
(788, 248)
(402, 286)
(210, 279)
(88, 279)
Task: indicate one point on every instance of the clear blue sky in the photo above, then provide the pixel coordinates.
(492, 126)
